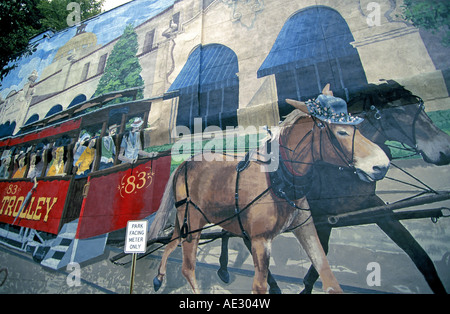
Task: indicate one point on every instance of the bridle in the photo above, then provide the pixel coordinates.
(323, 128)
(305, 181)
(378, 123)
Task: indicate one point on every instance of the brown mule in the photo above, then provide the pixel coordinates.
(390, 113)
(245, 203)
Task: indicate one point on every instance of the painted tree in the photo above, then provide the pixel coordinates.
(122, 69)
(432, 15)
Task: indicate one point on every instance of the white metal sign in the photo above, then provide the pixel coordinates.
(136, 237)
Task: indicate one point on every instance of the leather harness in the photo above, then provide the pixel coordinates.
(283, 183)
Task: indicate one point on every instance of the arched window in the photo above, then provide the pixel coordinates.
(79, 99)
(208, 87)
(53, 110)
(32, 119)
(12, 127)
(7, 129)
(312, 49)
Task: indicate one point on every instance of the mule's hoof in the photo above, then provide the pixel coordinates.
(156, 283)
(223, 275)
(332, 290)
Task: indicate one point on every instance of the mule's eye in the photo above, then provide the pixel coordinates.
(342, 132)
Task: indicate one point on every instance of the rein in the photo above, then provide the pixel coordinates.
(284, 182)
(334, 143)
(378, 117)
(184, 230)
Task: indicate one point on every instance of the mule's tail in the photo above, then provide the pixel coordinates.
(165, 209)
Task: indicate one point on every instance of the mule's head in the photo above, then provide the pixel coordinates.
(344, 145)
(368, 159)
(432, 143)
(392, 113)
(409, 124)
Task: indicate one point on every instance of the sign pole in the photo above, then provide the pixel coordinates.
(135, 242)
(133, 270)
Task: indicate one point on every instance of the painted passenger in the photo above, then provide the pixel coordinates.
(36, 163)
(5, 163)
(131, 147)
(56, 166)
(84, 154)
(22, 165)
(108, 148)
(81, 145)
(86, 160)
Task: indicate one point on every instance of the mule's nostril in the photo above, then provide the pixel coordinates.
(379, 172)
(444, 159)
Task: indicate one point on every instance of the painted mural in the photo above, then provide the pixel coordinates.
(302, 144)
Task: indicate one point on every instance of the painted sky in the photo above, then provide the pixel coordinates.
(106, 26)
(111, 4)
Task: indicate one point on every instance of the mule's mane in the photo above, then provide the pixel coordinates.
(385, 95)
(292, 118)
(288, 122)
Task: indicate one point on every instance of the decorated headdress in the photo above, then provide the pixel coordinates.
(332, 110)
(327, 108)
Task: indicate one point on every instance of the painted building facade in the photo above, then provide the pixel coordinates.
(345, 50)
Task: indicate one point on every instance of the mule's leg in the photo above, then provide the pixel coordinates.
(223, 273)
(196, 221)
(401, 236)
(308, 238)
(312, 275)
(175, 240)
(261, 256)
(223, 270)
(189, 260)
(273, 286)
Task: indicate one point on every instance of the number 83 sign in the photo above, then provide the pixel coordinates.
(132, 183)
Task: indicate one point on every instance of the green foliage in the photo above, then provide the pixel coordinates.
(122, 69)
(432, 15)
(21, 20)
(55, 12)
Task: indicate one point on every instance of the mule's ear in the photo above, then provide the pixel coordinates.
(326, 90)
(300, 105)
